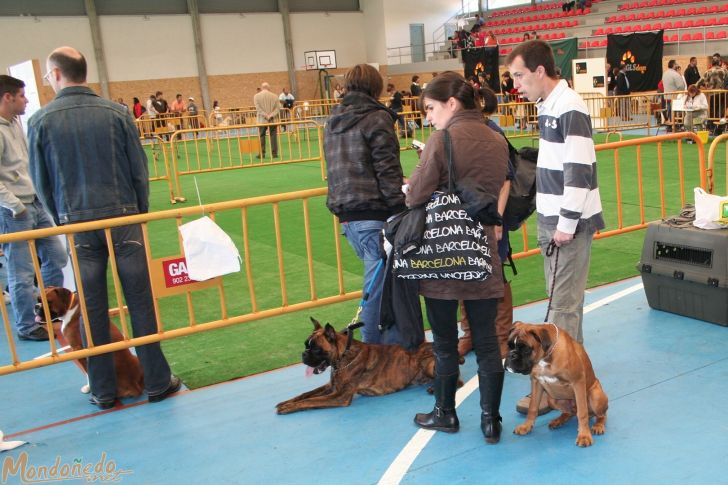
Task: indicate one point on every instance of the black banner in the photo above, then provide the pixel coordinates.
(483, 60)
(642, 53)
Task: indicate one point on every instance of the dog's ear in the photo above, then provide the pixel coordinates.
(316, 324)
(543, 337)
(65, 294)
(330, 333)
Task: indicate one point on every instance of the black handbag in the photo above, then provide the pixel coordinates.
(453, 245)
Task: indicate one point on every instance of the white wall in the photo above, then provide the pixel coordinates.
(399, 14)
(149, 47)
(235, 44)
(341, 32)
(25, 38)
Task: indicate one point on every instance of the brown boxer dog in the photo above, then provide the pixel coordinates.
(559, 366)
(63, 305)
(357, 368)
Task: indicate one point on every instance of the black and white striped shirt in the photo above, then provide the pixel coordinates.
(566, 178)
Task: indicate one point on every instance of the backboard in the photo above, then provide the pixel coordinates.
(325, 59)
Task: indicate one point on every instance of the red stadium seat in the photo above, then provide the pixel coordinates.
(723, 21)
(667, 25)
(721, 35)
(712, 21)
(673, 38)
(710, 35)
(677, 24)
(701, 11)
(594, 43)
(699, 22)
(665, 38)
(697, 36)
(713, 9)
(618, 30)
(603, 43)
(657, 26)
(688, 24)
(609, 31)
(685, 37)
(562, 35)
(611, 19)
(599, 31)
(582, 45)
(691, 11)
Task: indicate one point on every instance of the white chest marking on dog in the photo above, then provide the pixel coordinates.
(547, 379)
(65, 319)
(543, 364)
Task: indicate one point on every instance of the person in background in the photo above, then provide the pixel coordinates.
(692, 75)
(672, 82)
(177, 109)
(21, 210)
(526, 37)
(79, 143)
(622, 88)
(286, 99)
(338, 92)
(490, 40)
(506, 83)
(365, 181)
(192, 112)
(137, 108)
(696, 108)
(267, 107)
(394, 100)
(121, 102)
(481, 156)
(568, 205)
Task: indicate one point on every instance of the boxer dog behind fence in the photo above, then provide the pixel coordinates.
(357, 368)
(560, 367)
(64, 308)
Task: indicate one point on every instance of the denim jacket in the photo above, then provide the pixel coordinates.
(86, 159)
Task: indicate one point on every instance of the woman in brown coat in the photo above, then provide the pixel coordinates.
(479, 155)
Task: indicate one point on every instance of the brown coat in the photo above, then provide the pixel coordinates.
(479, 154)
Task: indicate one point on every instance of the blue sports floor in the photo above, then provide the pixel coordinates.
(666, 377)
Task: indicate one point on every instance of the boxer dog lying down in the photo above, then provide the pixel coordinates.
(64, 307)
(560, 367)
(357, 368)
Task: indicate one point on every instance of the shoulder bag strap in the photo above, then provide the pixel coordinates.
(450, 168)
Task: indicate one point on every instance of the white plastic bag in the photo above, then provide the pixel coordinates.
(208, 249)
(707, 210)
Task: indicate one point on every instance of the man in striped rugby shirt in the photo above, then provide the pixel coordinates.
(567, 199)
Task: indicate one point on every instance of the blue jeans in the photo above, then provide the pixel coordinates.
(131, 260)
(365, 237)
(53, 258)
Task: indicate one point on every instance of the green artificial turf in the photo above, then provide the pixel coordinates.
(257, 346)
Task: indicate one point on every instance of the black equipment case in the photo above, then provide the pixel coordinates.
(685, 271)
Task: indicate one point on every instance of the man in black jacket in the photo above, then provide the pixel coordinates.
(365, 179)
(692, 75)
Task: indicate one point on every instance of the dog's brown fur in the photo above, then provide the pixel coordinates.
(565, 375)
(366, 369)
(129, 375)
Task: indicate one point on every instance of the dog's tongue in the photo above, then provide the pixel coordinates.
(309, 371)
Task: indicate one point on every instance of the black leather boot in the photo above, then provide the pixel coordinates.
(491, 387)
(443, 416)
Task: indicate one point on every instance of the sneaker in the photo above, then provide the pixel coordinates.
(524, 402)
(103, 405)
(6, 296)
(174, 385)
(39, 334)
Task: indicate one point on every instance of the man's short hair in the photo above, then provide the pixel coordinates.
(671, 63)
(535, 53)
(365, 79)
(693, 59)
(9, 84)
(73, 69)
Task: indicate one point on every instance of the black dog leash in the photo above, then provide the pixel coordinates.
(549, 252)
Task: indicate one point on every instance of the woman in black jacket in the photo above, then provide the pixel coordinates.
(365, 180)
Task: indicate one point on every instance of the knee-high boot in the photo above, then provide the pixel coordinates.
(504, 319)
(491, 387)
(443, 416)
(465, 344)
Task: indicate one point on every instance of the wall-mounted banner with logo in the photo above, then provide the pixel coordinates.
(564, 51)
(642, 54)
(483, 60)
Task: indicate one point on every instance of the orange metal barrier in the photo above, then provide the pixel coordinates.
(289, 211)
(712, 152)
(238, 146)
(165, 124)
(621, 164)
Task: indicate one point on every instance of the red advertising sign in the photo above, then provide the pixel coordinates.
(175, 272)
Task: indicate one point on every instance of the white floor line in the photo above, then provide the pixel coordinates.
(403, 461)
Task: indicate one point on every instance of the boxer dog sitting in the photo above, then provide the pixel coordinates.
(357, 368)
(560, 367)
(63, 305)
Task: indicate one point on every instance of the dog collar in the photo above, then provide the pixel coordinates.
(551, 350)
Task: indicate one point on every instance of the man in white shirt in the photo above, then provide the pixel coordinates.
(567, 195)
(286, 99)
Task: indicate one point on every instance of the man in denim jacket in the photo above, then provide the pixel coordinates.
(87, 164)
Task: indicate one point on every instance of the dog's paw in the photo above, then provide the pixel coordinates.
(523, 429)
(284, 407)
(584, 440)
(598, 428)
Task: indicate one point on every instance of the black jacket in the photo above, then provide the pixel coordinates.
(622, 87)
(362, 157)
(692, 75)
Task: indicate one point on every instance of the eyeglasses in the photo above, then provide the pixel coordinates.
(47, 76)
